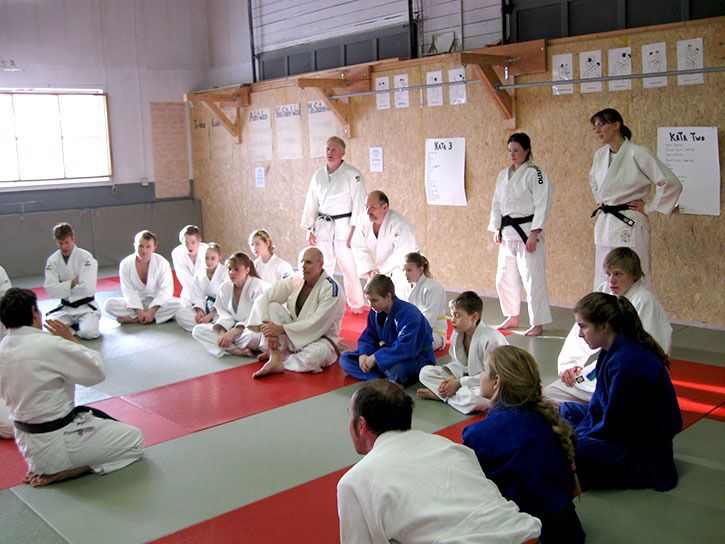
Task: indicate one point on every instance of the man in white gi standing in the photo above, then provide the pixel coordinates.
(70, 275)
(6, 426)
(304, 336)
(38, 374)
(335, 200)
(413, 486)
(382, 241)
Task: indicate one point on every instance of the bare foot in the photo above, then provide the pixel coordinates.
(273, 366)
(239, 352)
(536, 330)
(41, 480)
(510, 322)
(123, 320)
(425, 393)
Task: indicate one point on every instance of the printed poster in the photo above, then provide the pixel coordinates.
(620, 64)
(590, 66)
(654, 59)
(402, 98)
(288, 131)
(382, 100)
(689, 57)
(260, 135)
(435, 94)
(457, 93)
(445, 169)
(562, 69)
(322, 124)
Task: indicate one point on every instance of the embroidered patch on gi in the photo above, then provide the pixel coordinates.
(335, 287)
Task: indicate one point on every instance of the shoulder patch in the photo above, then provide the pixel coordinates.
(335, 287)
(358, 178)
(538, 173)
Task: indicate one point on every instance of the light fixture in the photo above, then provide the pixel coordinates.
(9, 66)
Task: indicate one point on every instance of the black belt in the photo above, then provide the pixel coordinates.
(615, 211)
(75, 304)
(508, 221)
(326, 217)
(50, 426)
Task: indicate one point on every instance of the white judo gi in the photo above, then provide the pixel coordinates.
(228, 318)
(58, 277)
(185, 268)
(203, 296)
(467, 368)
(6, 426)
(157, 291)
(520, 193)
(430, 297)
(385, 252)
(273, 270)
(310, 339)
(634, 171)
(341, 192)
(576, 352)
(38, 373)
(416, 487)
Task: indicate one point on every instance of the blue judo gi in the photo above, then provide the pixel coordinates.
(624, 434)
(401, 341)
(520, 453)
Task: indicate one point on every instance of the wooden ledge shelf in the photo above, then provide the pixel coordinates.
(236, 97)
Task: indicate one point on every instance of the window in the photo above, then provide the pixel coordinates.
(53, 137)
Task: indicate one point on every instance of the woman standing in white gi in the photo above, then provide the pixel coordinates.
(521, 204)
(622, 176)
(229, 334)
(269, 266)
(428, 295)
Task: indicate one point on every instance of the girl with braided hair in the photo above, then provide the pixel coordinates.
(524, 447)
(624, 435)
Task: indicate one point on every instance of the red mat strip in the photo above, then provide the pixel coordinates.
(284, 517)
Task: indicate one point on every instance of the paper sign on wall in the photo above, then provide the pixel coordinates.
(654, 59)
(689, 57)
(402, 99)
(692, 154)
(620, 64)
(382, 100)
(445, 169)
(590, 66)
(376, 159)
(562, 69)
(457, 92)
(435, 94)
(260, 132)
(288, 131)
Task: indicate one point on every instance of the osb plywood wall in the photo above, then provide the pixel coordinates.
(688, 264)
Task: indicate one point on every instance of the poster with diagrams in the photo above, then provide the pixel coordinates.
(445, 169)
(322, 124)
(692, 154)
(382, 99)
(562, 69)
(689, 57)
(288, 131)
(434, 94)
(620, 64)
(260, 135)
(590, 66)
(654, 60)
(457, 91)
(402, 98)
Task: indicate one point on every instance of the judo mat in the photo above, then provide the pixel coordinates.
(231, 459)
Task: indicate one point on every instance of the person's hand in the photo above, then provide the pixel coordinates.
(448, 387)
(199, 315)
(58, 328)
(637, 205)
(207, 318)
(532, 241)
(496, 237)
(311, 238)
(366, 363)
(569, 375)
(148, 317)
(349, 238)
(73, 282)
(269, 328)
(228, 338)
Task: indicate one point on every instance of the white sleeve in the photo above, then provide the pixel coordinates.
(165, 283)
(541, 194)
(403, 239)
(182, 273)
(667, 186)
(225, 318)
(80, 364)
(304, 331)
(364, 259)
(574, 352)
(130, 293)
(87, 279)
(359, 196)
(279, 293)
(52, 283)
(4, 281)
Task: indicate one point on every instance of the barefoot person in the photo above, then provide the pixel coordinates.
(229, 334)
(38, 374)
(146, 284)
(413, 486)
(397, 341)
(458, 382)
(521, 204)
(70, 275)
(304, 336)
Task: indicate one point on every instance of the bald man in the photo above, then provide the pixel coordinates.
(304, 336)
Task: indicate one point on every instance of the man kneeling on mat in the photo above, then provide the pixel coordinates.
(38, 374)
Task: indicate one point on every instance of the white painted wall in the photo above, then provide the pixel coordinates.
(139, 51)
(230, 54)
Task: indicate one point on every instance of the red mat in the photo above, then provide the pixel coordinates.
(104, 285)
(700, 388)
(284, 517)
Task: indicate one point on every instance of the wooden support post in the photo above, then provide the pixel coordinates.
(215, 100)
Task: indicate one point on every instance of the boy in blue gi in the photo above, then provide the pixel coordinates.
(397, 342)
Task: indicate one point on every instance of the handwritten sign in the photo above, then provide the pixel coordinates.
(445, 169)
